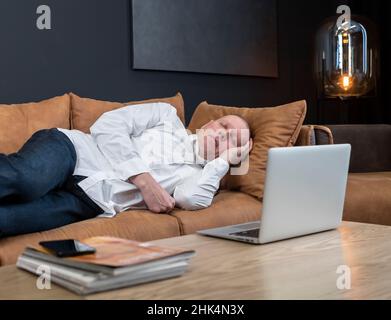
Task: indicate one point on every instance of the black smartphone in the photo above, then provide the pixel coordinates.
(67, 248)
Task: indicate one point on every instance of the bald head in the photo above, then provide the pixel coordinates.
(243, 123)
(219, 135)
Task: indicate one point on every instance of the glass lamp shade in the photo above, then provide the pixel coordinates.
(346, 58)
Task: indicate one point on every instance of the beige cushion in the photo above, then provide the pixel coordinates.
(18, 122)
(368, 198)
(270, 127)
(86, 111)
(136, 225)
(228, 208)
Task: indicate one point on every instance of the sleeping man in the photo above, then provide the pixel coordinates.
(136, 157)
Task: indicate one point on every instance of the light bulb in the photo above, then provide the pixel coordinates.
(346, 82)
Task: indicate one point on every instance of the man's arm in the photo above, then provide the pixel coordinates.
(112, 133)
(155, 197)
(114, 129)
(198, 192)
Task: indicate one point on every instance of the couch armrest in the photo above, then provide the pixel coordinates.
(371, 146)
(323, 135)
(306, 136)
(311, 135)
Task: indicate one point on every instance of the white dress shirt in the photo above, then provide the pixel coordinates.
(137, 139)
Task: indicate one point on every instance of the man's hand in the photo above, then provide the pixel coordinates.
(234, 156)
(155, 197)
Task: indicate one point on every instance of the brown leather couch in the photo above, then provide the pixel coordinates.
(368, 194)
(368, 197)
(228, 208)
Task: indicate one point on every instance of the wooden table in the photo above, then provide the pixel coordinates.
(301, 268)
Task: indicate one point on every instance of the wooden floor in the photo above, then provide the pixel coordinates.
(301, 268)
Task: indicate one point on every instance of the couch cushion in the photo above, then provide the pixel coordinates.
(368, 198)
(86, 111)
(228, 208)
(135, 225)
(19, 121)
(270, 127)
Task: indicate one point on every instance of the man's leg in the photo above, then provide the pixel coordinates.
(57, 208)
(43, 164)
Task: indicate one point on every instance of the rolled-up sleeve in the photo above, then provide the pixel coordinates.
(197, 192)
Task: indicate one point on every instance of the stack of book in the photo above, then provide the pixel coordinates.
(117, 263)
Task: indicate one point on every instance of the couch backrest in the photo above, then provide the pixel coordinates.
(371, 146)
(85, 111)
(19, 121)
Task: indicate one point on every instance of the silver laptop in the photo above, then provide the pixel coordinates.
(304, 194)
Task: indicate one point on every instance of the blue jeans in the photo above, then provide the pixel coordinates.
(37, 188)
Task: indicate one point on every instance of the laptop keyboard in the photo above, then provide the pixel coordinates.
(253, 233)
(248, 226)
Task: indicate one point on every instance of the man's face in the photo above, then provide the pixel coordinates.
(219, 135)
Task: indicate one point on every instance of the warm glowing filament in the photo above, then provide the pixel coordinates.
(346, 82)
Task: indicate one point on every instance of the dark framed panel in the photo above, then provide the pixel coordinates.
(237, 37)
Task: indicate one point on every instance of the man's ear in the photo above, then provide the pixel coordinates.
(251, 144)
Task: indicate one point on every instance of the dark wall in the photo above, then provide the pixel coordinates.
(88, 51)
